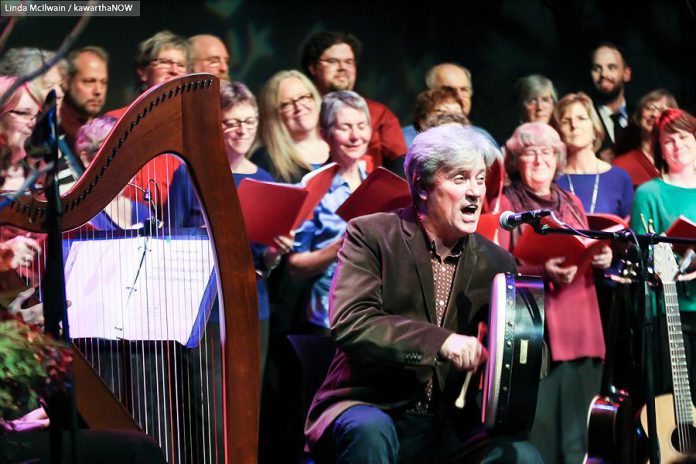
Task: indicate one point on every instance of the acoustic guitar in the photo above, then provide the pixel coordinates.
(674, 419)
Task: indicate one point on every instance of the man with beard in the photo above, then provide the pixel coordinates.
(85, 92)
(330, 59)
(609, 74)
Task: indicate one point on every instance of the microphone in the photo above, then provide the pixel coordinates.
(510, 220)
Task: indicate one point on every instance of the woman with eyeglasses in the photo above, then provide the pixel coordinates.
(573, 329)
(634, 146)
(17, 120)
(158, 59)
(289, 108)
(536, 97)
(25, 60)
(239, 120)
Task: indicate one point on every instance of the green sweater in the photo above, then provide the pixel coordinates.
(664, 203)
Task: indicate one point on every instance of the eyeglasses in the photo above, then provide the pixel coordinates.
(530, 154)
(538, 100)
(167, 63)
(234, 124)
(305, 100)
(24, 115)
(215, 61)
(464, 90)
(334, 62)
(656, 107)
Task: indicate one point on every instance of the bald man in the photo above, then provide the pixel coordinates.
(210, 55)
(450, 75)
(454, 76)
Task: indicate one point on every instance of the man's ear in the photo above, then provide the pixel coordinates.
(312, 70)
(627, 74)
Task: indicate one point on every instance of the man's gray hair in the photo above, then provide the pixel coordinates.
(446, 147)
(334, 101)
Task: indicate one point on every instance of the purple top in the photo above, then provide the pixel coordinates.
(614, 191)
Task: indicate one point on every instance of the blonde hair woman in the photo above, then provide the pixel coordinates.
(289, 109)
(601, 187)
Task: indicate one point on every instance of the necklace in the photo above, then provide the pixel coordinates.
(595, 189)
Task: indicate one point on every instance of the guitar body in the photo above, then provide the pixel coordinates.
(609, 429)
(667, 433)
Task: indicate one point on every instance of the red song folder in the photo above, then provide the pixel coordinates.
(271, 209)
(683, 227)
(533, 248)
(603, 221)
(381, 191)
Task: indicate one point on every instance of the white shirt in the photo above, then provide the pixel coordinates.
(605, 114)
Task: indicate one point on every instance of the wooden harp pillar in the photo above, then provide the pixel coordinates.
(180, 117)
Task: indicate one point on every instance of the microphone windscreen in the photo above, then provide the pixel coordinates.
(504, 218)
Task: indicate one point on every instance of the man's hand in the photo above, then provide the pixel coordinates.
(464, 352)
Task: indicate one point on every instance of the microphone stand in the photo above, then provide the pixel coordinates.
(60, 409)
(644, 242)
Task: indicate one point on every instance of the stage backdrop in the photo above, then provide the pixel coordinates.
(498, 40)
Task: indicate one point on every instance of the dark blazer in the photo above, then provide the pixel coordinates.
(383, 318)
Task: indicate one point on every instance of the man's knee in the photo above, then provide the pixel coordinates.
(511, 450)
(365, 432)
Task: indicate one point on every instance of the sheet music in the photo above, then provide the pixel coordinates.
(139, 288)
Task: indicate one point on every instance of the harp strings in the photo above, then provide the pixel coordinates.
(173, 391)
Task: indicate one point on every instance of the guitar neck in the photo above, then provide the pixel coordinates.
(680, 377)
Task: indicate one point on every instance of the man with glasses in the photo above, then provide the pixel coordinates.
(455, 77)
(330, 59)
(210, 55)
(451, 76)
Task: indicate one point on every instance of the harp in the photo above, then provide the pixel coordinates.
(180, 118)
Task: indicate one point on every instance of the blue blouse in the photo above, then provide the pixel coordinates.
(614, 191)
(319, 232)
